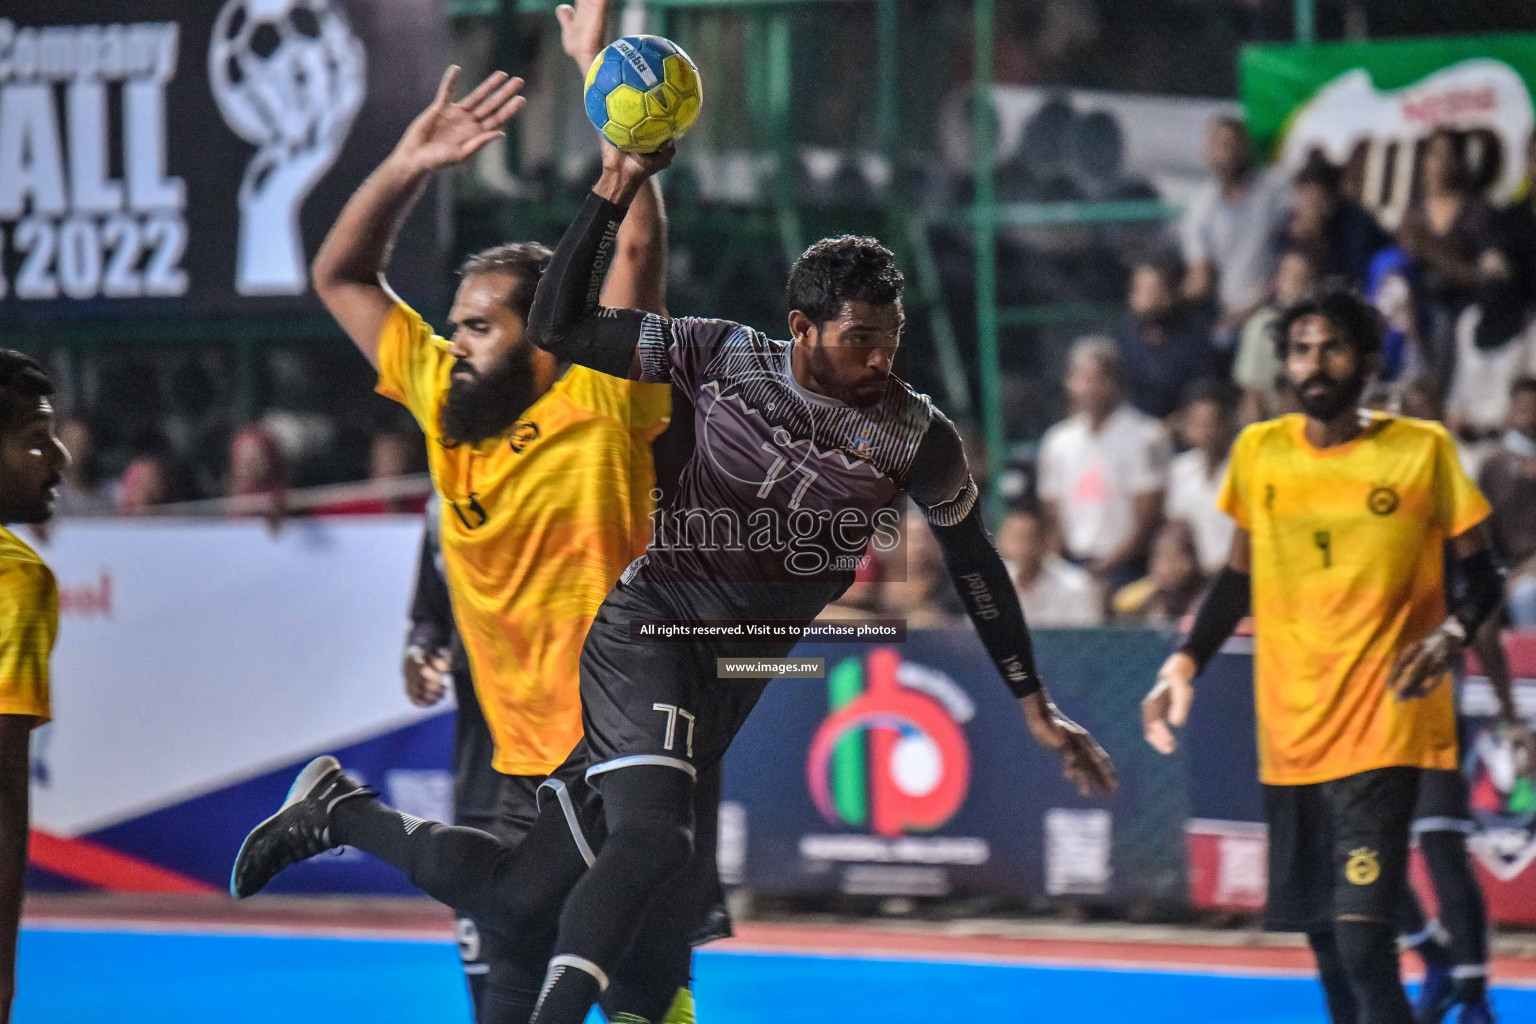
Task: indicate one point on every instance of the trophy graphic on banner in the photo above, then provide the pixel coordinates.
(289, 77)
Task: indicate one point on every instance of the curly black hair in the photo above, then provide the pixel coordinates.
(523, 260)
(850, 268)
(21, 378)
(1345, 309)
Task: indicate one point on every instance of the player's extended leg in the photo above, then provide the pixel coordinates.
(471, 871)
(1371, 814)
(649, 814)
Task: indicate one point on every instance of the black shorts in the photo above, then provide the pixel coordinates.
(660, 703)
(1338, 848)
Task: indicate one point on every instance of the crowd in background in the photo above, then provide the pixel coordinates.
(1121, 523)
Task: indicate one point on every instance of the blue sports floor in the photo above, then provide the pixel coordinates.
(136, 977)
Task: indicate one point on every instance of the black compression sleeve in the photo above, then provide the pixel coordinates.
(1225, 605)
(990, 601)
(1484, 589)
(565, 320)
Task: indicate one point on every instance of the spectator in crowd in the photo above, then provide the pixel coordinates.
(1163, 344)
(1053, 591)
(256, 463)
(1194, 478)
(1445, 231)
(391, 455)
(917, 586)
(1231, 230)
(1103, 469)
(257, 469)
(1390, 285)
(1508, 479)
(1515, 237)
(85, 488)
(1173, 584)
(148, 482)
(1257, 365)
(1421, 397)
(1477, 405)
(1337, 233)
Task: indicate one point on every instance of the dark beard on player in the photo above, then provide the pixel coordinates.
(488, 403)
(1336, 397)
(862, 394)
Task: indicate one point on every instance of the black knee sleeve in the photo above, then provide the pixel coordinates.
(649, 814)
(1368, 952)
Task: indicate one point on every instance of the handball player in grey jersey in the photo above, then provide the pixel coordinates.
(801, 448)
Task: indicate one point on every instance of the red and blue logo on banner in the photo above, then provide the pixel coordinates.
(888, 758)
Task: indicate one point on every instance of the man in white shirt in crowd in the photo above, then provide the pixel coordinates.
(1054, 592)
(1205, 427)
(1103, 470)
(1231, 230)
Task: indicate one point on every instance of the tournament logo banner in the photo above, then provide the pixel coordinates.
(163, 158)
(908, 771)
(1368, 107)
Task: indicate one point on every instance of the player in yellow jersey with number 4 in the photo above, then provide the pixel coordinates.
(1342, 518)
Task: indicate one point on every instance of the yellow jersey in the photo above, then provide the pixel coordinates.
(1347, 550)
(29, 623)
(537, 526)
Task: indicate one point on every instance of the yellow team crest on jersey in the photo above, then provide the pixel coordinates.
(1363, 867)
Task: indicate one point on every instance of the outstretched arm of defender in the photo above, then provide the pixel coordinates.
(348, 271)
(566, 319)
(1166, 707)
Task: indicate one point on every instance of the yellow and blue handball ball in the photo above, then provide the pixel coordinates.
(642, 91)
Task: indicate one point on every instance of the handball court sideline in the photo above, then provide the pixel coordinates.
(89, 959)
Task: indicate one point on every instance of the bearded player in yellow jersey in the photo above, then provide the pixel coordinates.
(1342, 520)
(31, 460)
(545, 475)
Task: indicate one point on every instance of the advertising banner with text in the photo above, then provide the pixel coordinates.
(185, 157)
(1368, 107)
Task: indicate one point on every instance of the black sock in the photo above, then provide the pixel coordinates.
(511, 890)
(1368, 950)
(570, 989)
(1342, 1008)
(1462, 910)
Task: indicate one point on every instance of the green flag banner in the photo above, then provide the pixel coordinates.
(1369, 106)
